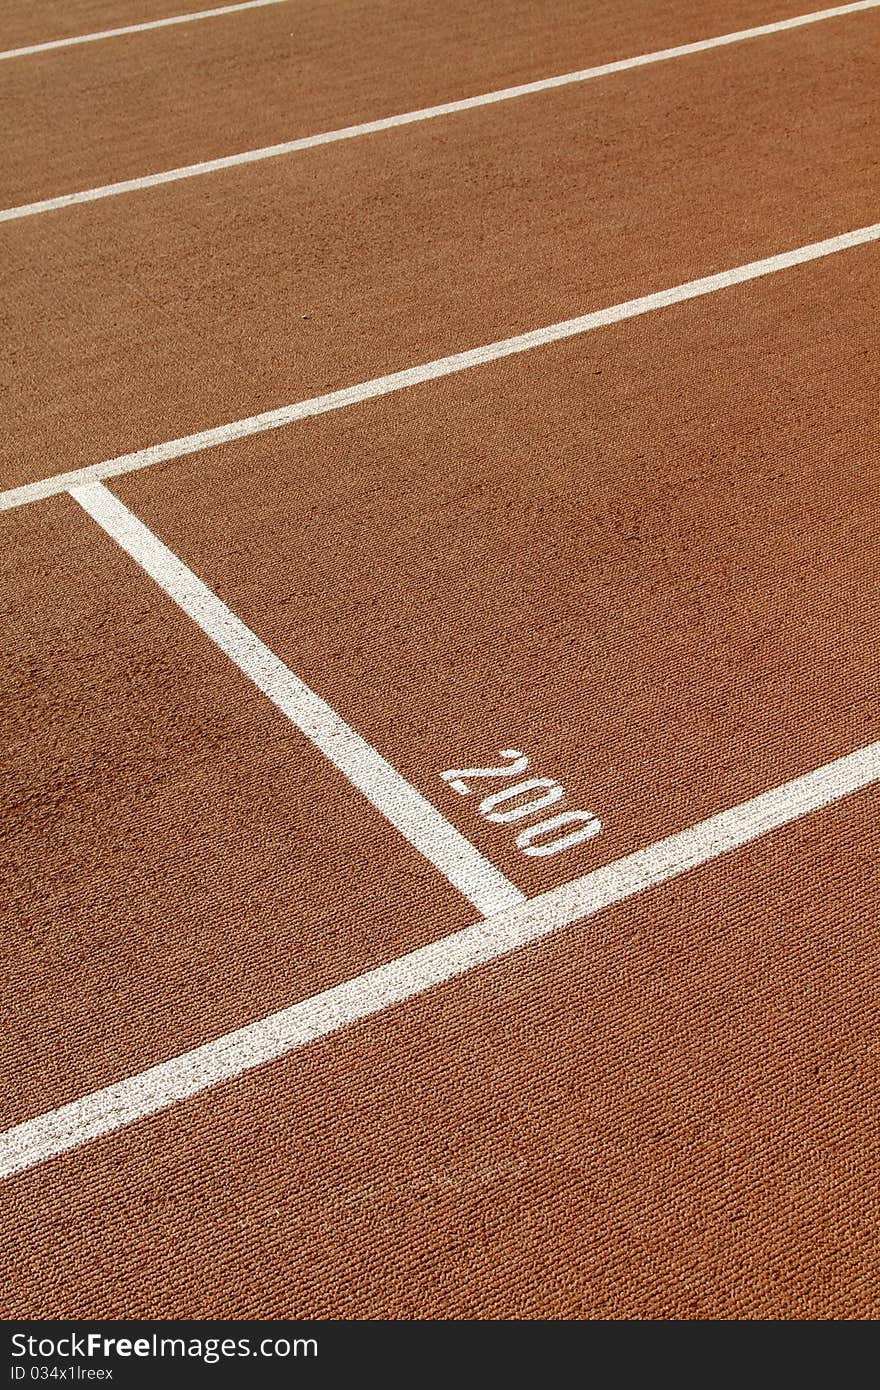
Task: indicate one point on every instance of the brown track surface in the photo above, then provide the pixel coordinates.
(635, 558)
(664, 1114)
(158, 313)
(143, 776)
(41, 21)
(646, 555)
(145, 102)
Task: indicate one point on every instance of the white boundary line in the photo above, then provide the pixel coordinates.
(398, 801)
(428, 113)
(431, 371)
(136, 28)
(229, 1056)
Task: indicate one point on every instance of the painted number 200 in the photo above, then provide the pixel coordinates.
(526, 798)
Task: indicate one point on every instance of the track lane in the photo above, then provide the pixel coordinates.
(644, 565)
(447, 1143)
(146, 102)
(293, 286)
(100, 36)
(178, 859)
(234, 1054)
(284, 416)
(664, 1113)
(24, 23)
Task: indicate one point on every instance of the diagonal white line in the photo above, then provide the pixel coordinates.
(136, 28)
(428, 113)
(229, 1056)
(398, 801)
(431, 371)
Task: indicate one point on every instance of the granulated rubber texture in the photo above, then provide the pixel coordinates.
(646, 556)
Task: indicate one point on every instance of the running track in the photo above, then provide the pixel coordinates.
(377, 406)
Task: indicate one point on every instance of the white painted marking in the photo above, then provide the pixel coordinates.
(428, 113)
(549, 793)
(164, 1085)
(416, 819)
(138, 28)
(431, 371)
(590, 828)
(455, 776)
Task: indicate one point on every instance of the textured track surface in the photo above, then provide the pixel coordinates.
(644, 559)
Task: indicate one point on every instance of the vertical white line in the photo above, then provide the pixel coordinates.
(416, 819)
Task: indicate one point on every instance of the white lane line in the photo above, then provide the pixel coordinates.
(136, 28)
(430, 371)
(229, 1056)
(399, 802)
(428, 113)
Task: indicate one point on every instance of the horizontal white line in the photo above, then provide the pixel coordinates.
(428, 113)
(397, 800)
(430, 371)
(136, 28)
(164, 1085)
